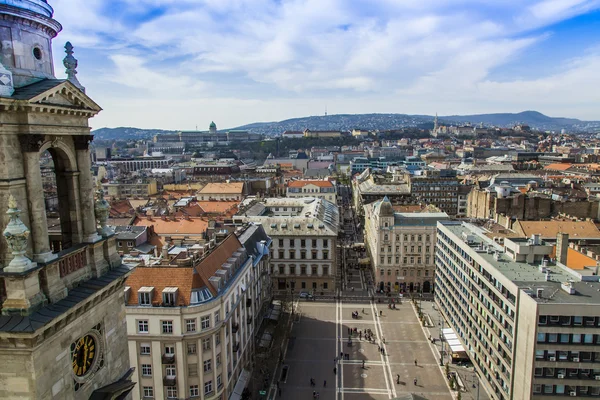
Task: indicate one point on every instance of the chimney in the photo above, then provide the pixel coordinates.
(562, 246)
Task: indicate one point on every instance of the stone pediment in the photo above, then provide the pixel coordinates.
(55, 92)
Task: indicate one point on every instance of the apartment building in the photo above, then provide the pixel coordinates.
(438, 187)
(321, 188)
(401, 247)
(529, 325)
(191, 320)
(130, 188)
(304, 234)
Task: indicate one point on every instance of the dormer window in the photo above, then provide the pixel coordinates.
(169, 296)
(145, 295)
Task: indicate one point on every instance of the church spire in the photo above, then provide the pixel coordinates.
(70, 64)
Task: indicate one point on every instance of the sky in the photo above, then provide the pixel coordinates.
(180, 64)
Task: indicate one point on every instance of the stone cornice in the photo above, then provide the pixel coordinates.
(26, 106)
(29, 18)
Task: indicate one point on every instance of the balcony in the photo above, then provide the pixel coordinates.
(168, 358)
(248, 303)
(170, 380)
(235, 327)
(235, 347)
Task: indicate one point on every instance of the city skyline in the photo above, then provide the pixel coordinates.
(174, 65)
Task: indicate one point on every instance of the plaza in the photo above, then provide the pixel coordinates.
(320, 334)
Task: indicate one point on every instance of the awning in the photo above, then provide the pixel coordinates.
(240, 385)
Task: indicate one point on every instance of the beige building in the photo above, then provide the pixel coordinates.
(529, 325)
(192, 321)
(304, 233)
(222, 191)
(62, 333)
(125, 190)
(401, 247)
(321, 188)
(321, 134)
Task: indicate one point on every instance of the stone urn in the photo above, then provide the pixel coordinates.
(17, 236)
(101, 210)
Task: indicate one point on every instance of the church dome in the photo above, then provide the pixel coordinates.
(212, 124)
(37, 6)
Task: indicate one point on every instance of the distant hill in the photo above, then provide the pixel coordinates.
(126, 133)
(347, 122)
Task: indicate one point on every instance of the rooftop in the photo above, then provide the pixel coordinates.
(527, 277)
(304, 182)
(223, 188)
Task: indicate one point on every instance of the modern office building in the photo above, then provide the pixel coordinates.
(304, 233)
(401, 247)
(191, 321)
(530, 325)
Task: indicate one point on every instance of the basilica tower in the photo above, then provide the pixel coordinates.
(62, 318)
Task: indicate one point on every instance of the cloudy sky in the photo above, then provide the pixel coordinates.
(178, 64)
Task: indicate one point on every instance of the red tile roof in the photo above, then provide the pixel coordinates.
(302, 183)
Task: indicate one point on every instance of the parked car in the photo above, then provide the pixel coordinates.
(305, 295)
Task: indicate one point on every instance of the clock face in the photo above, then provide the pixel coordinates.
(83, 354)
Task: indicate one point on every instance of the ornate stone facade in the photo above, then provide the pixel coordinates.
(54, 303)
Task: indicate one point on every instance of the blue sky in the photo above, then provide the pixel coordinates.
(178, 64)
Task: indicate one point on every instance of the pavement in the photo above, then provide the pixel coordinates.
(320, 333)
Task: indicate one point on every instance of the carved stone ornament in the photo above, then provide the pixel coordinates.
(6, 82)
(17, 235)
(101, 210)
(31, 143)
(70, 64)
(82, 142)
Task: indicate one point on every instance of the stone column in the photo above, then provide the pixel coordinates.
(86, 188)
(30, 145)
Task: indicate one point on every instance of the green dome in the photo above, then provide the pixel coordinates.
(212, 124)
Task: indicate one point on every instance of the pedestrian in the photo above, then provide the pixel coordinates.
(325, 383)
(360, 335)
(398, 379)
(363, 364)
(315, 394)
(334, 370)
(341, 356)
(415, 362)
(379, 348)
(380, 313)
(415, 381)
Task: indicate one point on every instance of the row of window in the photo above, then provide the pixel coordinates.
(294, 270)
(570, 356)
(314, 255)
(143, 325)
(405, 260)
(568, 338)
(170, 370)
(413, 249)
(405, 237)
(567, 373)
(567, 320)
(567, 390)
(292, 242)
(404, 272)
(171, 391)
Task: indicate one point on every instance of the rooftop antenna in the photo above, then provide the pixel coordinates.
(325, 110)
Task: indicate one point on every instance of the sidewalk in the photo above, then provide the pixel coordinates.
(466, 374)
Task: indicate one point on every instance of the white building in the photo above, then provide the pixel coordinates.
(191, 321)
(401, 247)
(529, 326)
(304, 233)
(320, 188)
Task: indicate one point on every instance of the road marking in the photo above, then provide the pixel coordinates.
(386, 368)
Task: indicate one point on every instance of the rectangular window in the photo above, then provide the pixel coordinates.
(146, 370)
(191, 348)
(219, 360)
(190, 325)
(281, 270)
(325, 271)
(314, 243)
(167, 327)
(280, 242)
(381, 272)
(217, 317)
(144, 299)
(325, 255)
(205, 344)
(148, 392)
(292, 254)
(217, 339)
(143, 326)
(325, 286)
(302, 243)
(205, 322)
(281, 254)
(219, 381)
(170, 349)
(208, 387)
(171, 392)
(145, 349)
(194, 391)
(207, 365)
(170, 371)
(325, 243)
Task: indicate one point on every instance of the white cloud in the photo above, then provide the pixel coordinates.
(263, 51)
